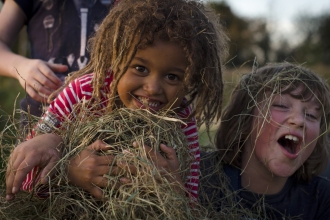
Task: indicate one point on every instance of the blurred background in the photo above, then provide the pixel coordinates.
(261, 31)
(264, 31)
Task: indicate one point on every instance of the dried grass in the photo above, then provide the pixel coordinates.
(144, 198)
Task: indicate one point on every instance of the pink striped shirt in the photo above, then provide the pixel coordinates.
(80, 89)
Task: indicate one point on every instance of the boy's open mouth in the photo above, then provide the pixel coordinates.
(290, 143)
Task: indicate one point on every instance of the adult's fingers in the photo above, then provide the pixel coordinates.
(40, 97)
(58, 68)
(47, 70)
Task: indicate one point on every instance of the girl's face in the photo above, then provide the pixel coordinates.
(154, 78)
(284, 135)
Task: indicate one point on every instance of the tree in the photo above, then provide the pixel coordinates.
(315, 47)
(249, 38)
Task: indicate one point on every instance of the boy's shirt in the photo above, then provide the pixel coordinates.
(63, 107)
(297, 199)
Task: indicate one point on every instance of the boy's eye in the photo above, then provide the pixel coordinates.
(172, 77)
(141, 68)
(279, 105)
(309, 115)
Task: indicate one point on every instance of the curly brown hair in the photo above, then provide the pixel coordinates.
(237, 118)
(134, 24)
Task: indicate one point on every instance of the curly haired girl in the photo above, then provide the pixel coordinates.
(151, 54)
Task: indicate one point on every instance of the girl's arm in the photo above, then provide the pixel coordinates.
(43, 151)
(39, 153)
(169, 166)
(87, 169)
(191, 132)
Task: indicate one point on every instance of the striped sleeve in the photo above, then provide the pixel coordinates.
(191, 132)
(60, 109)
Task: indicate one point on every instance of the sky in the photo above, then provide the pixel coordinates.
(280, 14)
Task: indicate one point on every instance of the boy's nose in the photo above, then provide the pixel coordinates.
(297, 119)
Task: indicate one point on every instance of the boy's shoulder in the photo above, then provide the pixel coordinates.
(318, 187)
(310, 198)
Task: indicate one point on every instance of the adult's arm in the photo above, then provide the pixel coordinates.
(36, 76)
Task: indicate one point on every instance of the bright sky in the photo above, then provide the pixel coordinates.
(280, 14)
(284, 9)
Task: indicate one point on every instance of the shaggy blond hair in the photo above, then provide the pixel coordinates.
(237, 119)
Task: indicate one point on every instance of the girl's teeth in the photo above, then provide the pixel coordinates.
(145, 102)
(291, 137)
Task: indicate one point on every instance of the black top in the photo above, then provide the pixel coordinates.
(297, 199)
(58, 31)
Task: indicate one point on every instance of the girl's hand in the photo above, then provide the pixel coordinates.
(43, 151)
(87, 169)
(168, 167)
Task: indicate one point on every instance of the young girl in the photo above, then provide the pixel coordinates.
(272, 143)
(146, 54)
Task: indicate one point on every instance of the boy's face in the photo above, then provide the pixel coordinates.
(285, 134)
(154, 78)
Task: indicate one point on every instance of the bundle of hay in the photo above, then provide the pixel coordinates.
(146, 197)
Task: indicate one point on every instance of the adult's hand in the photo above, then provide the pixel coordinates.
(42, 151)
(87, 169)
(37, 77)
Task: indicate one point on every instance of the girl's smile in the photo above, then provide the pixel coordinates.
(154, 79)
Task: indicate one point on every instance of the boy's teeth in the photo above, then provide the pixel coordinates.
(291, 137)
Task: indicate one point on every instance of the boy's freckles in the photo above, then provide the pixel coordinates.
(155, 78)
(283, 135)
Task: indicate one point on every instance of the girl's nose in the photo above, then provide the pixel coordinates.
(152, 85)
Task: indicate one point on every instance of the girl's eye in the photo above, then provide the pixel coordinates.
(172, 77)
(141, 69)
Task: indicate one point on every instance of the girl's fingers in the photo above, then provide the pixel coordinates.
(96, 192)
(99, 145)
(21, 167)
(169, 151)
(101, 181)
(126, 168)
(48, 170)
(152, 154)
